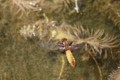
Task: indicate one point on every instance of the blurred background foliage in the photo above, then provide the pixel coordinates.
(22, 59)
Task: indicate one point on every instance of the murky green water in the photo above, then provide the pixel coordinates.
(22, 59)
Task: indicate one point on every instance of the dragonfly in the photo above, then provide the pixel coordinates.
(65, 45)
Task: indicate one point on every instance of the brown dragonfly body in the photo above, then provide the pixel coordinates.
(68, 51)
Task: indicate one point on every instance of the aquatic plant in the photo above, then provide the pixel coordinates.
(24, 6)
(110, 8)
(67, 38)
(54, 31)
(49, 32)
(115, 75)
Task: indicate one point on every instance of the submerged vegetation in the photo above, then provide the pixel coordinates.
(38, 39)
(115, 75)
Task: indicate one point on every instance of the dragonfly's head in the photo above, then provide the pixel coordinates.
(65, 45)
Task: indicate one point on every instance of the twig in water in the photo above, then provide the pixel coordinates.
(99, 70)
(62, 67)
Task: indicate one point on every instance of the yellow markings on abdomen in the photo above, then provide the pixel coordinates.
(70, 58)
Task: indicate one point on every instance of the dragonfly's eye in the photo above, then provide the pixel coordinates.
(62, 48)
